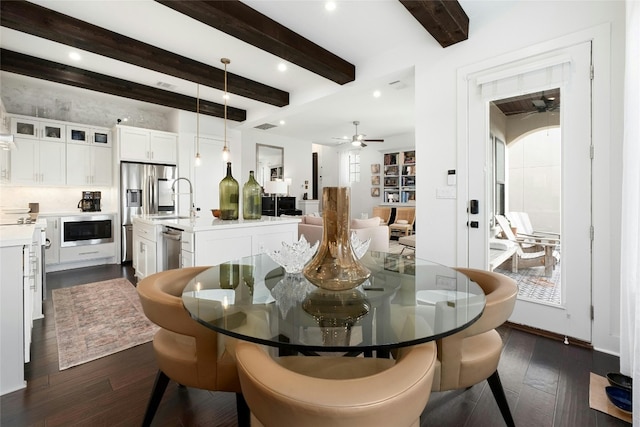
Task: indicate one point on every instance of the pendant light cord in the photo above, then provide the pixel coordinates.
(198, 125)
(225, 150)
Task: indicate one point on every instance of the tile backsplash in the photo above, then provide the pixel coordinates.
(54, 199)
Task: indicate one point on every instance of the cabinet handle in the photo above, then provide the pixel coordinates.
(88, 253)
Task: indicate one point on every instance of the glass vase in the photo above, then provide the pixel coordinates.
(251, 199)
(229, 196)
(335, 266)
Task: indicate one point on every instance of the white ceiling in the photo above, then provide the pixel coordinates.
(319, 109)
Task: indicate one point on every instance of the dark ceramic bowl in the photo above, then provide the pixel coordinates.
(619, 397)
(619, 380)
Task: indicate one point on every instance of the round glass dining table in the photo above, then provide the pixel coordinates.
(406, 301)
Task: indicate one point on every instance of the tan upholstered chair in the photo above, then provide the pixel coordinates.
(405, 217)
(382, 212)
(187, 352)
(336, 391)
(472, 355)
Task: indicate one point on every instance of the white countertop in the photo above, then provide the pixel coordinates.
(73, 213)
(211, 223)
(19, 235)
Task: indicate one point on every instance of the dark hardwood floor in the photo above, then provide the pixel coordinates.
(546, 382)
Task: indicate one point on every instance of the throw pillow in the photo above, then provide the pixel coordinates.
(365, 223)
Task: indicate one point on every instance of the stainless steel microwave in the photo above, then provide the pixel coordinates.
(86, 230)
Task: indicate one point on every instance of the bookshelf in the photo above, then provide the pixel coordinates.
(400, 177)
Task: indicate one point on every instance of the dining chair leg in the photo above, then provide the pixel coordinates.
(244, 413)
(159, 386)
(501, 398)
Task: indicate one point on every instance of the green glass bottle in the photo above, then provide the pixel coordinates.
(229, 196)
(251, 199)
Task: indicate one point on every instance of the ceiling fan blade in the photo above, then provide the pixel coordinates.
(539, 103)
(373, 140)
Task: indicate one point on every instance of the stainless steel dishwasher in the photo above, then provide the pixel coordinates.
(171, 241)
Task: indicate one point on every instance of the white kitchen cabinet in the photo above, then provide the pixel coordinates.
(38, 162)
(225, 244)
(89, 165)
(52, 251)
(145, 253)
(11, 320)
(81, 253)
(44, 130)
(5, 166)
(147, 145)
(88, 135)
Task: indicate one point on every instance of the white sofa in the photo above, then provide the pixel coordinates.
(311, 228)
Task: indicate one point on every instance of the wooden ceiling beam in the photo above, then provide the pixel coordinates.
(244, 23)
(445, 20)
(48, 24)
(31, 66)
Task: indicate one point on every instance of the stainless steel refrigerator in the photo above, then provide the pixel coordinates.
(144, 189)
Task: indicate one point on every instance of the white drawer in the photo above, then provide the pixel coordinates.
(80, 253)
(187, 241)
(145, 231)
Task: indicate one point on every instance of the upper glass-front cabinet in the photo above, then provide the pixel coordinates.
(34, 129)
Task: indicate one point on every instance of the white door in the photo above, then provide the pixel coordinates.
(570, 70)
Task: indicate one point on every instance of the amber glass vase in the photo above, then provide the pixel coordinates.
(251, 199)
(335, 266)
(229, 196)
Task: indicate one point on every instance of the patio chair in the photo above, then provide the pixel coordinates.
(544, 249)
(524, 229)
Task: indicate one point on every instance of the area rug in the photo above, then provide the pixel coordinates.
(534, 285)
(599, 401)
(98, 319)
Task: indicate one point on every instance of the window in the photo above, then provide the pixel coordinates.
(354, 167)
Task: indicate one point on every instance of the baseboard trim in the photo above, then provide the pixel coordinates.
(551, 335)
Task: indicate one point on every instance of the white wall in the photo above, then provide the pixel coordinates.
(437, 128)
(329, 160)
(297, 158)
(535, 180)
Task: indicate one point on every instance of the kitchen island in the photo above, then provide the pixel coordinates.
(161, 243)
(20, 298)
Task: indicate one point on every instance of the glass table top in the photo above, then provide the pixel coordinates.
(405, 301)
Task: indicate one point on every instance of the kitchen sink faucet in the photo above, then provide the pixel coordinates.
(192, 209)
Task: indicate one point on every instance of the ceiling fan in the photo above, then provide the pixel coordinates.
(543, 105)
(358, 140)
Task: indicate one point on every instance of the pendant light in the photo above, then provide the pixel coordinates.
(198, 159)
(225, 151)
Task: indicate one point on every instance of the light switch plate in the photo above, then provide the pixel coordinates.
(446, 192)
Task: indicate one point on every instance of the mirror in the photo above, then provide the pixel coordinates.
(269, 163)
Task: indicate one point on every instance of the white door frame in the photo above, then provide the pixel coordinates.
(477, 256)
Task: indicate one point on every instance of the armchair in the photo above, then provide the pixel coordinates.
(187, 352)
(336, 391)
(405, 217)
(472, 355)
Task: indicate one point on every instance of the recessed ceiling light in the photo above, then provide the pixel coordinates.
(330, 6)
(377, 94)
(282, 66)
(282, 122)
(75, 56)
